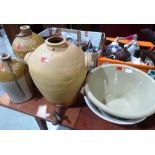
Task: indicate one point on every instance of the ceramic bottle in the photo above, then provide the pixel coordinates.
(26, 41)
(15, 79)
(58, 69)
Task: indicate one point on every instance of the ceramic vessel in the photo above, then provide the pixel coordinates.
(58, 70)
(26, 41)
(15, 79)
(105, 116)
(121, 91)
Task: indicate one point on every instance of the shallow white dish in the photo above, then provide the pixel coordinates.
(110, 118)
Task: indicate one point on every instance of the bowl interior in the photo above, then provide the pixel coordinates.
(110, 118)
(122, 89)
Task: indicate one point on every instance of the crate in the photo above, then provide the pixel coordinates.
(97, 38)
(143, 44)
(104, 60)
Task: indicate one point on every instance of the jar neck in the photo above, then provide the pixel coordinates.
(5, 61)
(5, 57)
(56, 42)
(24, 31)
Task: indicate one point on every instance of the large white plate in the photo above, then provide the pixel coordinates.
(110, 118)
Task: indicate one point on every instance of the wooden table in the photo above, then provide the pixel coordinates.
(78, 116)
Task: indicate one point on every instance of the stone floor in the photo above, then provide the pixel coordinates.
(10, 119)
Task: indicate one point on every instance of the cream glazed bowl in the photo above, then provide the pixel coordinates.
(121, 91)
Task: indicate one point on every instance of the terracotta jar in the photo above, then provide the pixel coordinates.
(15, 79)
(58, 70)
(26, 41)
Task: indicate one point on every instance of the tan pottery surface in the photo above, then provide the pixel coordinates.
(58, 70)
(26, 41)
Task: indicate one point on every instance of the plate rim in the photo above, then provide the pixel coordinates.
(110, 119)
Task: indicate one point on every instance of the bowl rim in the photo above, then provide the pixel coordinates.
(93, 99)
(111, 118)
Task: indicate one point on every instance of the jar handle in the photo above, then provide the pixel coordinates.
(88, 61)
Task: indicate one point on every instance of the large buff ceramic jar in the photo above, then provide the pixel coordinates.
(58, 70)
(26, 41)
(15, 79)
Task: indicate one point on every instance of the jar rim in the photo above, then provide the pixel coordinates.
(55, 41)
(4, 56)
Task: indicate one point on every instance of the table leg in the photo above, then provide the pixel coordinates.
(41, 123)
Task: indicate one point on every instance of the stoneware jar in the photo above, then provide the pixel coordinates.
(15, 79)
(26, 41)
(58, 70)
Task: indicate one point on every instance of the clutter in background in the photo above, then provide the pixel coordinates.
(86, 40)
(130, 52)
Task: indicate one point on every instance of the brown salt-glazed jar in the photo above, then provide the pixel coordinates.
(26, 41)
(15, 79)
(58, 70)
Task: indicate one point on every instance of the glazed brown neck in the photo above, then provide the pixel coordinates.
(6, 61)
(56, 42)
(24, 31)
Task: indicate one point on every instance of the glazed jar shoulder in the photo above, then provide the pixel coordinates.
(18, 69)
(52, 62)
(28, 43)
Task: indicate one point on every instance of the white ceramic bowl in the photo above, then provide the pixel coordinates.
(121, 91)
(110, 118)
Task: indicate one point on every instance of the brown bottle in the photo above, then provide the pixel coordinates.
(26, 41)
(15, 79)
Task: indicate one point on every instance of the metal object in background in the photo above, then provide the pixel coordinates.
(148, 57)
